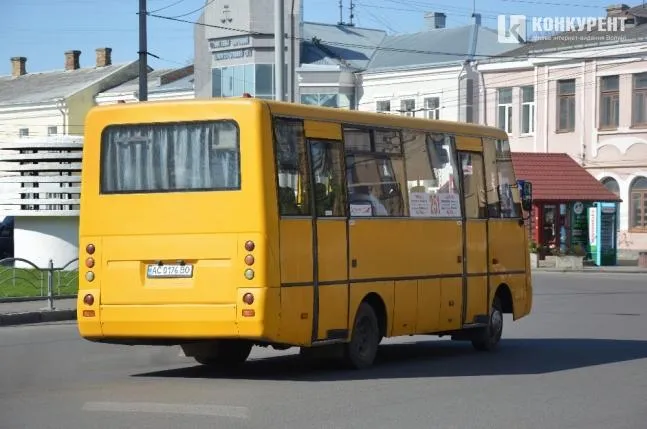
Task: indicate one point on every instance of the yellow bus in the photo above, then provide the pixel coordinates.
(223, 224)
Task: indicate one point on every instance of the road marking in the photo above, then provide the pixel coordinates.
(151, 407)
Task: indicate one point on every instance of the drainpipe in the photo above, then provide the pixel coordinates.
(583, 110)
(546, 100)
(534, 120)
(594, 111)
(482, 78)
(60, 105)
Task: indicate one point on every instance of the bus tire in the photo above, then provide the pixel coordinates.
(488, 338)
(361, 350)
(225, 353)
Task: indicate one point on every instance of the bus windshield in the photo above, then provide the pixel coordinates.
(176, 157)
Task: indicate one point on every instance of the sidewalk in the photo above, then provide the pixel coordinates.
(21, 313)
(619, 269)
(27, 312)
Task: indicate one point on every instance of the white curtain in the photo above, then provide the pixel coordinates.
(174, 157)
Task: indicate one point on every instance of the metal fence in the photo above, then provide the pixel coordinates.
(29, 282)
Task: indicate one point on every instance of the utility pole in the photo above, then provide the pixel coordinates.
(143, 53)
(292, 59)
(279, 48)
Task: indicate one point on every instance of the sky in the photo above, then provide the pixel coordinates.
(42, 30)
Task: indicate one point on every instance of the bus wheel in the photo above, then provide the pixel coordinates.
(487, 339)
(360, 352)
(226, 353)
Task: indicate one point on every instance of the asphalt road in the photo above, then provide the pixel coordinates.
(579, 361)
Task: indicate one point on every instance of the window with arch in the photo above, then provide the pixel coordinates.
(638, 205)
(612, 185)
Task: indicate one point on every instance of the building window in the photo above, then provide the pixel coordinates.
(566, 105)
(469, 100)
(408, 107)
(255, 79)
(638, 205)
(612, 185)
(383, 106)
(432, 108)
(609, 102)
(23, 132)
(326, 100)
(52, 131)
(640, 100)
(504, 117)
(527, 109)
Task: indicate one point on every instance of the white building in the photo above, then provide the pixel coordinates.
(163, 84)
(430, 73)
(41, 127)
(586, 97)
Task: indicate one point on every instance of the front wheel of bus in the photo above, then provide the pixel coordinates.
(488, 338)
(365, 338)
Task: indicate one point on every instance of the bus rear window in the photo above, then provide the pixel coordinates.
(170, 157)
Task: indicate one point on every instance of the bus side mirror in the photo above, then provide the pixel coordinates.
(525, 190)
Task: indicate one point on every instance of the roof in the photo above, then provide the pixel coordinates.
(53, 85)
(558, 177)
(436, 46)
(159, 81)
(349, 47)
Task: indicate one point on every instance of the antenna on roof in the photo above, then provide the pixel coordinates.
(352, 6)
(341, 13)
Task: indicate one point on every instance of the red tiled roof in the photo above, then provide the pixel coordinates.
(558, 177)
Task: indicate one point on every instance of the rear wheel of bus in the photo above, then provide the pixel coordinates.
(219, 353)
(360, 352)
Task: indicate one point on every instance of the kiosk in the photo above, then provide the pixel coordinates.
(603, 224)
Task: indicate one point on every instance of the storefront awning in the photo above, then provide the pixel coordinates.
(558, 177)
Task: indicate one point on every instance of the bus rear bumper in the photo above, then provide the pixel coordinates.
(168, 324)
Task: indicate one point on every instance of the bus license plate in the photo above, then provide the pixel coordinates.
(169, 271)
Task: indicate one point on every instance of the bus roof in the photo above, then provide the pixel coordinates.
(321, 113)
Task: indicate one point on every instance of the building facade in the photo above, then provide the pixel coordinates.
(431, 73)
(234, 47)
(41, 128)
(587, 99)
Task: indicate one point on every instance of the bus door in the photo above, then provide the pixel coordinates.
(475, 235)
(330, 230)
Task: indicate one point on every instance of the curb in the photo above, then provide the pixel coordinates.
(601, 270)
(37, 317)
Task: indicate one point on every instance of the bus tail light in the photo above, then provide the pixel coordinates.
(89, 262)
(249, 245)
(248, 298)
(88, 299)
(90, 249)
(89, 276)
(249, 274)
(249, 259)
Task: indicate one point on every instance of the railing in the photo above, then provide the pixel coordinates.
(37, 283)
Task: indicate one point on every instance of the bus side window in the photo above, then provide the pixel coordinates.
(508, 190)
(292, 168)
(473, 186)
(491, 178)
